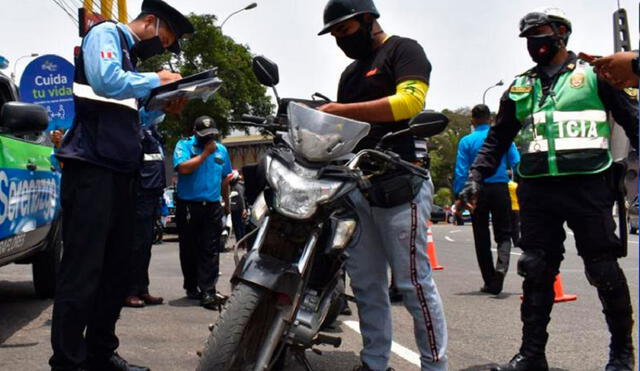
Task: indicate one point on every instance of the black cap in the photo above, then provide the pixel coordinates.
(337, 11)
(178, 23)
(205, 126)
(481, 112)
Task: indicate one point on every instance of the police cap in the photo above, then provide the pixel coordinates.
(178, 23)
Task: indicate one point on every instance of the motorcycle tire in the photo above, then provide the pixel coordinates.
(240, 330)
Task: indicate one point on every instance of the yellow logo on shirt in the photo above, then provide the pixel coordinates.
(577, 80)
(521, 89)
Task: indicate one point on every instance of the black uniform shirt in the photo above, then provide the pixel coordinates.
(623, 108)
(398, 59)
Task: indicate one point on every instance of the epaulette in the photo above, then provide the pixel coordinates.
(529, 73)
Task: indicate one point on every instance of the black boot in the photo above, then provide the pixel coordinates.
(535, 310)
(535, 313)
(522, 363)
(619, 316)
(621, 360)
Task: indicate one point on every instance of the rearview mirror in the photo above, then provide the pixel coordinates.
(266, 71)
(428, 123)
(23, 118)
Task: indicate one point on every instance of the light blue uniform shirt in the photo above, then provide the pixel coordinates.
(468, 149)
(205, 183)
(103, 67)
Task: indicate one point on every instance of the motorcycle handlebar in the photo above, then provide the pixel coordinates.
(414, 169)
(254, 119)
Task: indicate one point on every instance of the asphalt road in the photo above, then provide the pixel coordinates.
(483, 329)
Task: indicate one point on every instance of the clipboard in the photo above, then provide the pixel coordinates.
(198, 86)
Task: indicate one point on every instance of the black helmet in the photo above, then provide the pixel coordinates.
(338, 11)
(542, 16)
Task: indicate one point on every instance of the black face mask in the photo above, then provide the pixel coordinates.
(146, 49)
(542, 49)
(358, 45)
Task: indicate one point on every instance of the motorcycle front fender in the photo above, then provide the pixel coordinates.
(268, 272)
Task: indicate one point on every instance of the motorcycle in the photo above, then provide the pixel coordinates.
(290, 281)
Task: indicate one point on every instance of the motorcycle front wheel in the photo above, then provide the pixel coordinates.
(241, 330)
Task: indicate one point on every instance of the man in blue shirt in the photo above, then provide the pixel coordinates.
(101, 154)
(493, 199)
(202, 165)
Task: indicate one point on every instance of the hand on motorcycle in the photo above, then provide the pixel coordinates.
(468, 196)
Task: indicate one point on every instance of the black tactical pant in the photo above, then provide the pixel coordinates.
(147, 206)
(199, 229)
(515, 227)
(493, 199)
(585, 203)
(99, 209)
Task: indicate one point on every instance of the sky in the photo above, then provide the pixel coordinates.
(471, 44)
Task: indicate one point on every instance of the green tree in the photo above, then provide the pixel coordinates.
(444, 196)
(208, 48)
(443, 149)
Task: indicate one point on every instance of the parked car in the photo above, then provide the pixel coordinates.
(30, 214)
(170, 225)
(632, 216)
(438, 214)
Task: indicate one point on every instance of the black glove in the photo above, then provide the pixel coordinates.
(470, 191)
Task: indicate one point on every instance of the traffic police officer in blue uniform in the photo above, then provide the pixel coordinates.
(150, 187)
(101, 155)
(202, 165)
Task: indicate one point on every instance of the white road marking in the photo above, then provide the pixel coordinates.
(404, 353)
(512, 253)
(449, 239)
(456, 231)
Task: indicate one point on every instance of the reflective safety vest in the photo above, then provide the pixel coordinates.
(568, 134)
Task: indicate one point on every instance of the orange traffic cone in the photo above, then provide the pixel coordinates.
(560, 295)
(431, 250)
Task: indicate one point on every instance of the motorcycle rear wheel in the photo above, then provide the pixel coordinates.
(240, 331)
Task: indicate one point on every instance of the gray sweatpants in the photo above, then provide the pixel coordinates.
(396, 237)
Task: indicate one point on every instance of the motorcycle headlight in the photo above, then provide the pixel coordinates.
(298, 196)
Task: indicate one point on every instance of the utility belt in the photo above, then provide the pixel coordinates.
(198, 203)
(394, 189)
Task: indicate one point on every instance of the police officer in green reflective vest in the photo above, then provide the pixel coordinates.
(558, 111)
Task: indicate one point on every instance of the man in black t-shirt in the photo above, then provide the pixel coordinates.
(385, 86)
